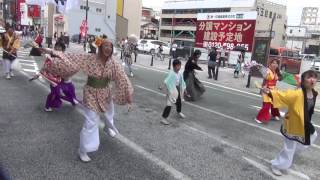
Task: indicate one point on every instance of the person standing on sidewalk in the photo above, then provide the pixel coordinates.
(174, 47)
(102, 69)
(212, 63)
(10, 45)
(297, 129)
(223, 56)
(270, 82)
(175, 90)
(129, 49)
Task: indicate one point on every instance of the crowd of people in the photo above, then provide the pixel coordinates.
(102, 68)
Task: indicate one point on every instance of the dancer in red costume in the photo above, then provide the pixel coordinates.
(270, 82)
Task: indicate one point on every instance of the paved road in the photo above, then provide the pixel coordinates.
(217, 140)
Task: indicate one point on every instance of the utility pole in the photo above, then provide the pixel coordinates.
(270, 39)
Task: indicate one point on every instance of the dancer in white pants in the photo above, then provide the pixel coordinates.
(297, 129)
(98, 99)
(11, 44)
(89, 135)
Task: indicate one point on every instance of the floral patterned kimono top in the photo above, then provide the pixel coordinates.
(97, 93)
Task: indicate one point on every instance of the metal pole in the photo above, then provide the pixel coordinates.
(85, 37)
(4, 12)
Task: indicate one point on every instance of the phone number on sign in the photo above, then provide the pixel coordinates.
(229, 46)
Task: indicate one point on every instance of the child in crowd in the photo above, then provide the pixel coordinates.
(176, 86)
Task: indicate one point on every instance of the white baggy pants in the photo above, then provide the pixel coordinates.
(285, 157)
(7, 65)
(89, 135)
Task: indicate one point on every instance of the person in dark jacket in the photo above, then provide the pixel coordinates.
(194, 87)
(212, 63)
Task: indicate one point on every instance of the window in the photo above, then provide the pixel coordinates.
(261, 12)
(266, 13)
(98, 30)
(98, 10)
(291, 31)
(274, 51)
(270, 14)
(258, 11)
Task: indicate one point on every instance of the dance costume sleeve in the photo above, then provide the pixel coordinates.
(68, 64)
(281, 99)
(124, 89)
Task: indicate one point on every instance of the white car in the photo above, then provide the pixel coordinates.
(316, 64)
(151, 46)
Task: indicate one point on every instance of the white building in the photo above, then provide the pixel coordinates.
(182, 14)
(296, 37)
(101, 18)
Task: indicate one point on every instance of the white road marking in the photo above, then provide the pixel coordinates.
(222, 115)
(30, 70)
(292, 175)
(171, 170)
(30, 65)
(28, 61)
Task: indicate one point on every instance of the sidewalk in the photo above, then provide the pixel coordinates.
(225, 76)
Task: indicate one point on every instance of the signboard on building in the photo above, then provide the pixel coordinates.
(226, 29)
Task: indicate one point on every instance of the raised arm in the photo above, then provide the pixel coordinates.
(67, 64)
(281, 99)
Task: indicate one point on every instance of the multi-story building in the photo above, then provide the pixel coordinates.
(115, 18)
(149, 24)
(310, 16)
(179, 17)
(296, 37)
(101, 18)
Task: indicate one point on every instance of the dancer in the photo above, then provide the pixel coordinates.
(297, 129)
(270, 81)
(101, 69)
(129, 48)
(194, 87)
(57, 84)
(175, 89)
(10, 44)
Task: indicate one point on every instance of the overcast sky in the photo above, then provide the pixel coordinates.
(294, 7)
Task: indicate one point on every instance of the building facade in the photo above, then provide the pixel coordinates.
(101, 18)
(178, 18)
(296, 38)
(149, 24)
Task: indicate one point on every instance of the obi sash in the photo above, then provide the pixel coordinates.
(98, 83)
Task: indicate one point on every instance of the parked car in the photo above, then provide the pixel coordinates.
(316, 66)
(308, 57)
(151, 46)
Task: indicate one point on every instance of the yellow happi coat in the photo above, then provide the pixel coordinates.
(294, 127)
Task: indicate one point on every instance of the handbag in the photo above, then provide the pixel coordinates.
(211, 63)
